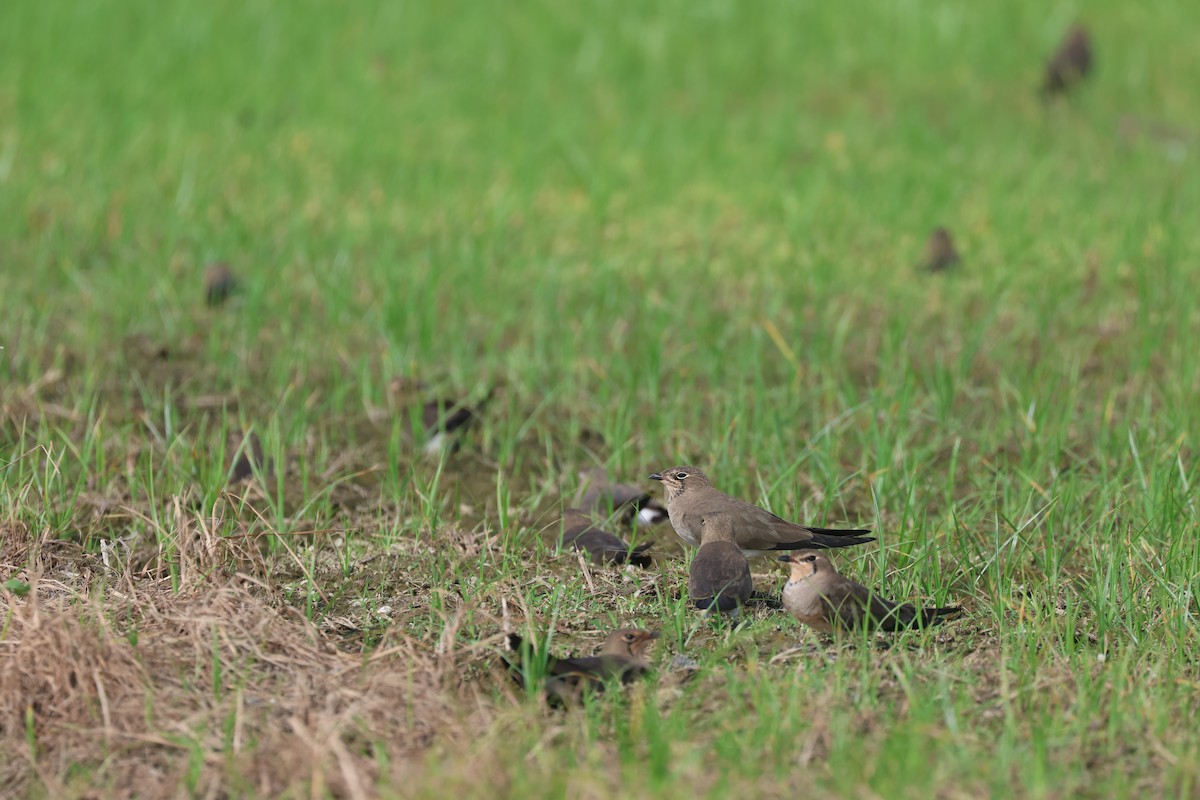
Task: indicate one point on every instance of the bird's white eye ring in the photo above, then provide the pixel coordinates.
(680, 475)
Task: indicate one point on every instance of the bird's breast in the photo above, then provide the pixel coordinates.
(800, 600)
(682, 528)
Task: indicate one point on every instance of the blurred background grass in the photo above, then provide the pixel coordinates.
(613, 212)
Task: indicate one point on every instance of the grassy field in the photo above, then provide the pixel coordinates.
(670, 232)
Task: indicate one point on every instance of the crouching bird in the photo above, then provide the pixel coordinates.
(719, 579)
(445, 420)
(822, 598)
(600, 495)
(623, 657)
(603, 547)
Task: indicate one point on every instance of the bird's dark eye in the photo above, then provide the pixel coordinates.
(629, 637)
(811, 558)
(680, 475)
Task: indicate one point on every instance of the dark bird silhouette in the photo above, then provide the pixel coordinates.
(600, 545)
(219, 283)
(1070, 64)
(719, 579)
(940, 253)
(251, 455)
(444, 421)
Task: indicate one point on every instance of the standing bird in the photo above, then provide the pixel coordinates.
(940, 253)
(622, 657)
(822, 598)
(219, 283)
(690, 496)
(602, 546)
(720, 576)
(1070, 64)
(598, 494)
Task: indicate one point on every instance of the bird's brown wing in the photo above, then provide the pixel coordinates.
(623, 494)
(790, 536)
(850, 606)
(856, 606)
(609, 497)
(585, 537)
(446, 415)
(604, 547)
(892, 617)
(759, 529)
(566, 679)
(595, 668)
(639, 556)
(252, 456)
(569, 678)
(720, 575)
(926, 617)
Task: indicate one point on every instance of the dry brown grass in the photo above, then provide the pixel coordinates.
(141, 691)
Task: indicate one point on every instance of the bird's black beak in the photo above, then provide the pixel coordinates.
(786, 559)
(657, 476)
(654, 635)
